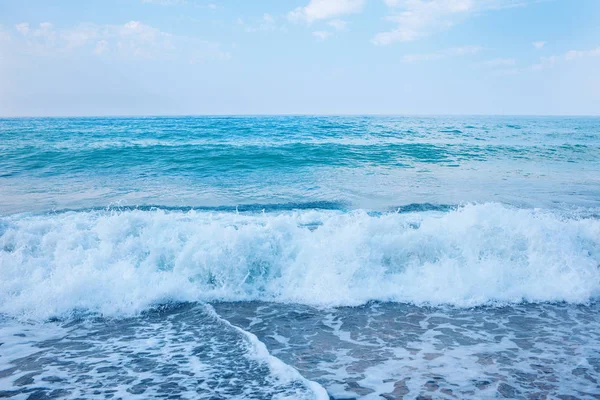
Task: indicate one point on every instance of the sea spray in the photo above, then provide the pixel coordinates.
(122, 262)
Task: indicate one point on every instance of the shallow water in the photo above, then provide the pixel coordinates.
(182, 352)
(380, 350)
(394, 350)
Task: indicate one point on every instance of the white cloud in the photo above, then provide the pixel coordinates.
(499, 62)
(36, 39)
(538, 45)
(268, 18)
(43, 30)
(321, 35)
(545, 62)
(165, 2)
(571, 55)
(80, 35)
(325, 9)
(101, 47)
(133, 39)
(438, 55)
(418, 18)
(22, 28)
(507, 71)
(266, 23)
(575, 54)
(338, 24)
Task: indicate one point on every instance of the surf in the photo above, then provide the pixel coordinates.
(121, 262)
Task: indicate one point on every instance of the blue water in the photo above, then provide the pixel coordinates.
(300, 257)
(357, 162)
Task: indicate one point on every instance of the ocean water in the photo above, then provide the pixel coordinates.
(300, 257)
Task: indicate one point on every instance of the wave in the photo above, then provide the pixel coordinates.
(250, 207)
(43, 160)
(122, 262)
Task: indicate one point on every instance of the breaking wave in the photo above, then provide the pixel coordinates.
(122, 262)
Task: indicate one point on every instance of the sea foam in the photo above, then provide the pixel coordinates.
(122, 262)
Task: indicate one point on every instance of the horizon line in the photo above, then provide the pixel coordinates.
(24, 116)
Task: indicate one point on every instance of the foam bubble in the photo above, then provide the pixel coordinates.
(123, 262)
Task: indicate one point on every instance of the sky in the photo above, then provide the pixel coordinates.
(198, 57)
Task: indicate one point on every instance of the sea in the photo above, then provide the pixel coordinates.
(300, 257)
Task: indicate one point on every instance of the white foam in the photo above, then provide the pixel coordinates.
(123, 262)
(196, 349)
(283, 372)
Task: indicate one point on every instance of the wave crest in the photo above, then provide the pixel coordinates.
(123, 262)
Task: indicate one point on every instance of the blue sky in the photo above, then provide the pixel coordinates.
(159, 57)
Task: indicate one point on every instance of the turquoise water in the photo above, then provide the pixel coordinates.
(300, 257)
(354, 162)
